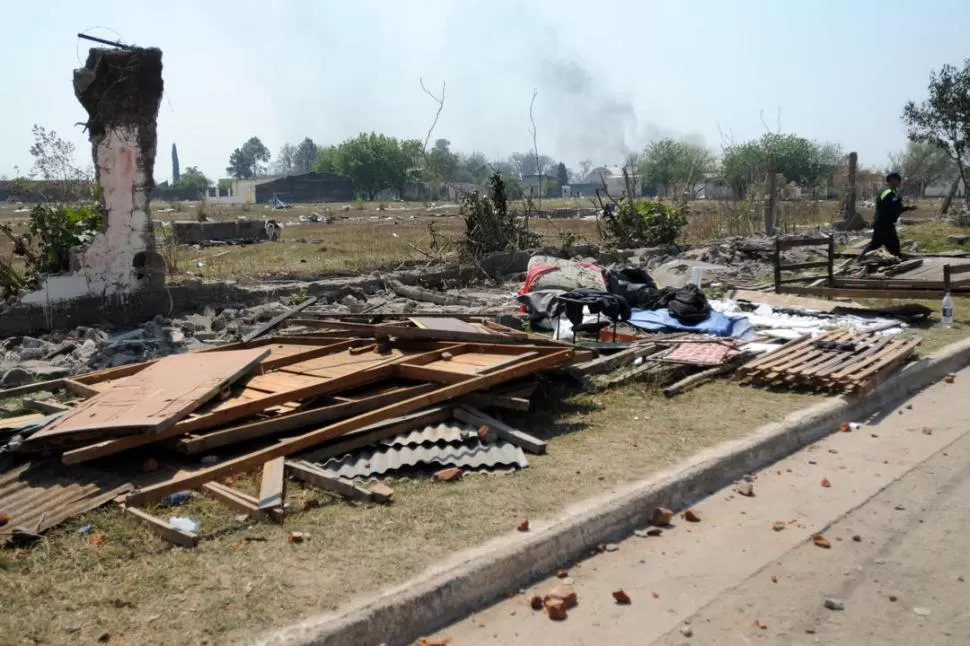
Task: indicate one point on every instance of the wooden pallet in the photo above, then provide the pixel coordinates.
(804, 365)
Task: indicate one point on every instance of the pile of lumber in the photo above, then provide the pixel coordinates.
(837, 362)
(199, 418)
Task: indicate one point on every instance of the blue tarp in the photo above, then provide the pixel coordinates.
(717, 324)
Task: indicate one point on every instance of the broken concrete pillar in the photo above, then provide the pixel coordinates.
(121, 90)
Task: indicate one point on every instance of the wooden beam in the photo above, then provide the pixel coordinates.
(842, 292)
(308, 440)
(476, 417)
(44, 406)
(805, 265)
(313, 475)
(276, 320)
(613, 361)
(242, 502)
(271, 489)
(276, 425)
(413, 333)
(806, 242)
(163, 529)
(425, 373)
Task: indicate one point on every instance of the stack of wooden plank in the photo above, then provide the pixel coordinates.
(841, 362)
(259, 405)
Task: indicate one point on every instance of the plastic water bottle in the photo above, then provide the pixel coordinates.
(946, 314)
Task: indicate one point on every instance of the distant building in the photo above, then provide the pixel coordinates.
(308, 187)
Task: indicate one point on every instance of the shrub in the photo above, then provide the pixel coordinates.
(490, 225)
(634, 223)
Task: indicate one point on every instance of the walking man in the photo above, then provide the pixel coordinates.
(889, 206)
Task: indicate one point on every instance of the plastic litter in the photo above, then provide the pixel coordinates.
(177, 498)
(184, 524)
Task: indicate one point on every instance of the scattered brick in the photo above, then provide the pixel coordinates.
(564, 593)
(821, 541)
(661, 517)
(690, 516)
(447, 475)
(536, 602)
(825, 483)
(523, 526)
(621, 597)
(555, 608)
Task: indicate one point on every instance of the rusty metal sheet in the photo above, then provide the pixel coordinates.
(38, 496)
(155, 398)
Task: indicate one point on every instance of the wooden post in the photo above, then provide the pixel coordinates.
(946, 278)
(848, 207)
(831, 268)
(777, 262)
(770, 190)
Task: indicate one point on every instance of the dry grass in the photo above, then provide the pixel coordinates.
(241, 580)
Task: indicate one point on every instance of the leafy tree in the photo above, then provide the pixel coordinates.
(922, 164)
(442, 163)
(523, 164)
(674, 166)
(800, 160)
(247, 160)
(305, 156)
(326, 160)
(375, 162)
(584, 167)
(476, 164)
(944, 118)
(54, 162)
(193, 179)
(562, 175)
(175, 164)
(285, 159)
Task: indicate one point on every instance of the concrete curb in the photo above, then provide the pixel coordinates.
(475, 578)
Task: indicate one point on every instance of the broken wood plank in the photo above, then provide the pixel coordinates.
(519, 438)
(613, 361)
(273, 426)
(163, 529)
(277, 320)
(413, 333)
(44, 406)
(271, 488)
(445, 324)
(704, 376)
(313, 475)
(153, 400)
(242, 502)
(191, 480)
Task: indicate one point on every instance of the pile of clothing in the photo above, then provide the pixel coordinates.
(629, 295)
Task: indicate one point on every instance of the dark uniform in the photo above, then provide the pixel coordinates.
(888, 209)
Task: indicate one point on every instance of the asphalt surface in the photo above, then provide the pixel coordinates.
(892, 500)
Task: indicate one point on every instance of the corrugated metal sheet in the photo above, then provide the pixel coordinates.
(37, 497)
(444, 433)
(371, 462)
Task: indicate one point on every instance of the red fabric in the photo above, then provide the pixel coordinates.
(534, 273)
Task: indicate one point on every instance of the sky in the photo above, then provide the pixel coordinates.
(609, 76)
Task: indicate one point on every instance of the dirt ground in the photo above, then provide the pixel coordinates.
(244, 579)
(369, 239)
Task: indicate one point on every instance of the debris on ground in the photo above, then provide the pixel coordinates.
(346, 396)
(690, 516)
(621, 597)
(834, 604)
(821, 541)
(523, 526)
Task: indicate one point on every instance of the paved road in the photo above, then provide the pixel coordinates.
(896, 514)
